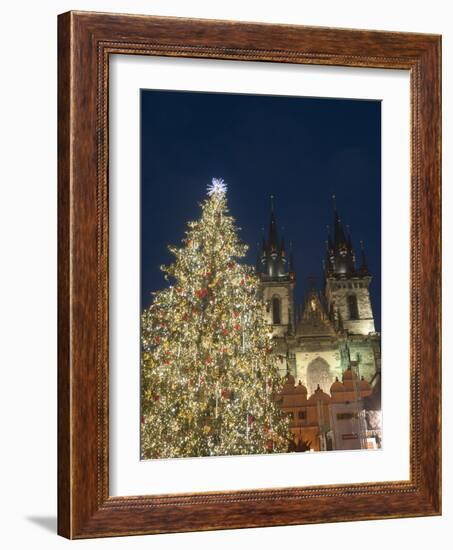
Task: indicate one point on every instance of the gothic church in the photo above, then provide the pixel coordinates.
(334, 328)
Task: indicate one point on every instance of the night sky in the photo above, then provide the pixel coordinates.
(302, 150)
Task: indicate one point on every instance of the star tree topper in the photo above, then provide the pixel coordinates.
(217, 185)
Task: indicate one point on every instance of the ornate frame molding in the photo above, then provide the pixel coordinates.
(86, 40)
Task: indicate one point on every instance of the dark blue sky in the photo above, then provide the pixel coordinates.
(302, 150)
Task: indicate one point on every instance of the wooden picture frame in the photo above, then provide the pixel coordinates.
(85, 41)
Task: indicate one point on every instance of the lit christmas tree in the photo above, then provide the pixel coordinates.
(208, 376)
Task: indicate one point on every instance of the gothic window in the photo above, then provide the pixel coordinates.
(352, 307)
(318, 373)
(276, 316)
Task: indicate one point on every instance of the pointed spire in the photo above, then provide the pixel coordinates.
(340, 257)
(327, 262)
(282, 248)
(273, 235)
(339, 236)
(291, 259)
(329, 242)
(263, 248)
(273, 256)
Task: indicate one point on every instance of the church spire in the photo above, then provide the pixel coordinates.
(273, 233)
(291, 260)
(340, 254)
(347, 286)
(340, 237)
(273, 260)
(329, 242)
(282, 249)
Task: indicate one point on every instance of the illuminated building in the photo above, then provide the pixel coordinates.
(319, 344)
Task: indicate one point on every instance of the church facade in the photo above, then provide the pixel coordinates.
(333, 331)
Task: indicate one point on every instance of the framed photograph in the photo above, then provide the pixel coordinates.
(249, 275)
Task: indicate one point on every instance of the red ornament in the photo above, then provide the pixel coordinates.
(225, 393)
(242, 281)
(225, 331)
(178, 289)
(237, 327)
(231, 265)
(201, 293)
(157, 397)
(236, 313)
(250, 418)
(270, 445)
(185, 316)
(157, 339)
(208, 360)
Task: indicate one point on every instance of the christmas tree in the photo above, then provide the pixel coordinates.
(209, 379)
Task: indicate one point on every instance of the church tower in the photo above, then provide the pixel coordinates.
(346, 286)
(276, 273)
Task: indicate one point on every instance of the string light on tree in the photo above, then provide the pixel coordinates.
(208, 377)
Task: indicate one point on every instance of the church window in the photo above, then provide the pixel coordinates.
(352, 307)
(276, 313)
(318, 374)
